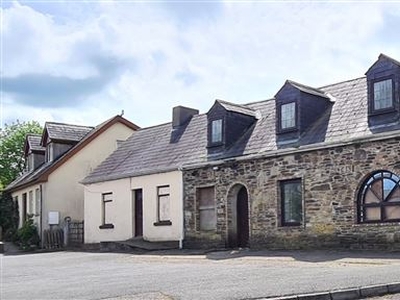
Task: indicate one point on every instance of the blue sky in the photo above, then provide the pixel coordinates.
(85, 61)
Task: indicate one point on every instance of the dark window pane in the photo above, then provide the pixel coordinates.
(207, 213)
(292, 209)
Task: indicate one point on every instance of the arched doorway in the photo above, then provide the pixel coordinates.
(238, 218)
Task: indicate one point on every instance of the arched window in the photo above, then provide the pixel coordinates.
(379, 198)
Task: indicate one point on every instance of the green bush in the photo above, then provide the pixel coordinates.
(27, 235)
(9, 216)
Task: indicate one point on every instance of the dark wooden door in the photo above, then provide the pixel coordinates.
(138, 212)
(242, 218)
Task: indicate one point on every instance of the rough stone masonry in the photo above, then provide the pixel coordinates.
(331, 179)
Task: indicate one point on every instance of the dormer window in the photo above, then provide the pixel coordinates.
(383, 94)
(216, 131)
(288, 116)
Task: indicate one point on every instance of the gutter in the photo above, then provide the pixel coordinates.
(128, 175)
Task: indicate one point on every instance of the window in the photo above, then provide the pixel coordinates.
(383, 94)
(379, 198)
(107, 199)
(288, 115)
(291, 202)
(31, 209)
(216, 131)
(208, 217)
(163, 197)
(49, 152)
(37, 202)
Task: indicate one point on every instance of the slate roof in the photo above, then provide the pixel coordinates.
(72, 131)
(308, 89)
(159, 149)
(66, 132)
(347, 119)
(241, 109)
(154, 150)
(33, 141)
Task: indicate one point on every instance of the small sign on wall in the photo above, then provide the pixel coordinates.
(54, 217)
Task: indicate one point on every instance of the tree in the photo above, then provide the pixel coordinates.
(9, 216)
(12, 138)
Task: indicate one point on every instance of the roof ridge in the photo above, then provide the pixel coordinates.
(60, 123)
(234, 104)
(389, 58)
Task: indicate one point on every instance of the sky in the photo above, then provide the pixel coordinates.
(83, 62)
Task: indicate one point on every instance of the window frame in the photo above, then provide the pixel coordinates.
(104, 204)
(383, 203)
(377, 111)
(282, 184)
(161, 195)
(202, 208)
(37, 201)
(31, 203)
(280, 120)
(221, 139)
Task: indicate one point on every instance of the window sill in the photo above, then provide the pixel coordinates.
(289, 225)
(106, 226)
(214, 145)
(383, 111)
(288, 130)
(163, 223)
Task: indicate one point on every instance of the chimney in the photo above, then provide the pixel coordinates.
(181, 115)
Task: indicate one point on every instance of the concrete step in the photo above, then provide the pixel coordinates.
(137, 245)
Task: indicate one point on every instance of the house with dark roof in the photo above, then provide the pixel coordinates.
(309, 168)
(56, 162)
(140, 184)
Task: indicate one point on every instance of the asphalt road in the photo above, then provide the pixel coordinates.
(165, 275)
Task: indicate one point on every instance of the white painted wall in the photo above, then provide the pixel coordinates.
(120, 213)
(62, 192)
(30, 209)
(123, 208)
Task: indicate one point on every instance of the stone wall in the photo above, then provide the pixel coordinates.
(331, 179)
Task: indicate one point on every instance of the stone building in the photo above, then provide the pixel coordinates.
(310, 168)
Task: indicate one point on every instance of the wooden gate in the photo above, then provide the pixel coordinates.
(75, 233)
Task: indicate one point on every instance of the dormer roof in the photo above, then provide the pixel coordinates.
(237, 108)
(304, 88)
(383, 57)
(41, 174)
(64, 132)
(32, 143)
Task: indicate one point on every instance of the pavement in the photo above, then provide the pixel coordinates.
(196, 274)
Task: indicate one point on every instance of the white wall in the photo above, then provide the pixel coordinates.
(31, 208)
(122, 208)
(62, 191)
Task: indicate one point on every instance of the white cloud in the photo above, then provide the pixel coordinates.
(240, 51)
